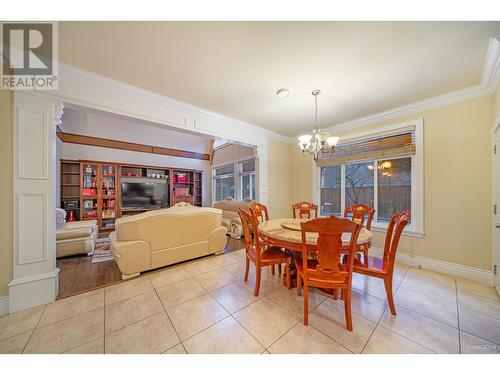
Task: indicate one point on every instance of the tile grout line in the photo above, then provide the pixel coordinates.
(170, 320)
(374, 329)
(385, 310)
(237, 321)
(458, 318)
(399, 334)
(353, 313)
(73, 347)
(104, 338)
(32, 332)
(419, 313)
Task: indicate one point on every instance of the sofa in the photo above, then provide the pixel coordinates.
(162, 237)
(76, 237)
(230, 217)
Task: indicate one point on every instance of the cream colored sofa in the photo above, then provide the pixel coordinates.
(163, 237)
(230, 217)
(76, 237)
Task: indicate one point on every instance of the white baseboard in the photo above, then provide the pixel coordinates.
(32, 291)
(4, 305)
(458, 270)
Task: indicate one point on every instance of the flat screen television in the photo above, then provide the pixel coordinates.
(144, 193)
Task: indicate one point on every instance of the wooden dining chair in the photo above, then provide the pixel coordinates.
(383, 268)
(260, 253)
(261, 212)
(326, 269)
(305, 210)
(357, 213)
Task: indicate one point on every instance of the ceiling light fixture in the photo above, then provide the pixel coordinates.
(283, 93)
(318, 143)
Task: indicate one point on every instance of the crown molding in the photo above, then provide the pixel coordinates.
(489, 81)
(71, 75)
(197, 119)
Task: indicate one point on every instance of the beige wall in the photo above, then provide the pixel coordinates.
(6, 103)
(497, 101)
(457, 182)
(278, 156)
(230, 153)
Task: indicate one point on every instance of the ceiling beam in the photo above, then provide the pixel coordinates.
(128, 146)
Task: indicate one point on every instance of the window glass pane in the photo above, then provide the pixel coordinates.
(359, 184)
(330, 190)
(225, 169)
(252, 179)
(394, 187)
(224, 187)
(248, 166)
(245, 186)
(248, 186)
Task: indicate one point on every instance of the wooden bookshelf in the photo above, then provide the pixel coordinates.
(92, 189)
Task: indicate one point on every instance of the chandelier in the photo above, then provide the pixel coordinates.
(318, 143)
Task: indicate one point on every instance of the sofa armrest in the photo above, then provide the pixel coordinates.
(132, 257)
(217, 240)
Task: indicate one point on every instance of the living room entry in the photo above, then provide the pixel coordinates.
(112, 167)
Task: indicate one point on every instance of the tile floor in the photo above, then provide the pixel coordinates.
(205, 307)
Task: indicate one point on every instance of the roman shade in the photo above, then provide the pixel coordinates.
(381, 146)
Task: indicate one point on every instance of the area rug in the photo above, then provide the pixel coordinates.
(102, 252)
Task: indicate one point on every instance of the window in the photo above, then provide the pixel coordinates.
(223, 184)
(384, 172)
(388, 190)
(393, 187)
(237, 180)
(330, 190)
(247, 179)
(359, 184)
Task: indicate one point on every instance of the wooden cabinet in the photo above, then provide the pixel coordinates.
(91, 190)
(99, 193)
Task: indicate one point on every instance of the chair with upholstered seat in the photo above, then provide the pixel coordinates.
(326, 269)
(260, 253)
(383, 268)
(305, 210)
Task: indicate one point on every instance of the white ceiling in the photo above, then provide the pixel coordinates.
(235, 68)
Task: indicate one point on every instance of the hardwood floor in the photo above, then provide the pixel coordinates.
(77, 274)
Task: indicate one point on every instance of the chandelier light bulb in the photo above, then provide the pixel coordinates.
(332, 141)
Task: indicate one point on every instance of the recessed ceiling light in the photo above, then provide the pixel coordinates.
(283, 93)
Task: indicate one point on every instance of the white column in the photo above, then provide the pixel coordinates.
(261, 158)
(35, 275)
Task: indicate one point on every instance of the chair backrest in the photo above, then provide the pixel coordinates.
(260, 212)
(304, 210)
(249, 223)
(329, 248)
(394, 230)
(358, 212)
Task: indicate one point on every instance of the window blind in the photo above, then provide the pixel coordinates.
(379, 147)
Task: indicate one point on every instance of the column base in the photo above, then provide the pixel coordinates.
(32, 291)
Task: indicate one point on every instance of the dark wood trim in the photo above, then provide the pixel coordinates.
(128, 146)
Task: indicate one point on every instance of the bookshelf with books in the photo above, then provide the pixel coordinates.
(92, 190)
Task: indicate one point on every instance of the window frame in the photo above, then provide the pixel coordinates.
(416, 227)
(221, 177)
(237, 175)
(248, 173)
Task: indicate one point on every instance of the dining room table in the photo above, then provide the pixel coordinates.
(286, 233)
